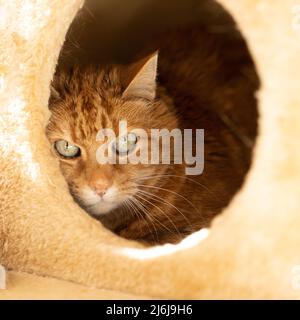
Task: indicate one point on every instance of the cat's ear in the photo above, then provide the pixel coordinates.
(139, 79)
(54, 94)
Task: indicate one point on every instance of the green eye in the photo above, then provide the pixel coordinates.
(126, 144)
(67, 150)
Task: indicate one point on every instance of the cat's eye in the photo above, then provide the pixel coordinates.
(126, 144)
(67, 150)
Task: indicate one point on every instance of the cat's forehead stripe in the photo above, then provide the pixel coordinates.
(103, 121)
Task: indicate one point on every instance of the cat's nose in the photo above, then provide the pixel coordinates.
(100, 188)
(100, 181)
(101, 193)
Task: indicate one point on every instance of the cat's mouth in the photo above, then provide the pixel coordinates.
(98, 205)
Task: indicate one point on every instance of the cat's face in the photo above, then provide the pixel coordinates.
(85, 103)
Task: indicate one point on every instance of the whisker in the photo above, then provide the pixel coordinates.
(181, 177)
(163, 214)
(172, 192)
(132, 209)
(150, 194)
(136, 211)
(147, 214)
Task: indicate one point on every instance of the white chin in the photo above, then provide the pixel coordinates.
(102, 208)
(97, 206)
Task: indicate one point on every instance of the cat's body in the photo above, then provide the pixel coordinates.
(165, 204)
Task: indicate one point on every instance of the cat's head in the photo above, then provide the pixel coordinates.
(84, 102)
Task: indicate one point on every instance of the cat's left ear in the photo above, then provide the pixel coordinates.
(139, 80)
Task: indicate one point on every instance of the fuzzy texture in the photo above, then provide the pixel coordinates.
(252, 248)
(2, 278)
(23, 286)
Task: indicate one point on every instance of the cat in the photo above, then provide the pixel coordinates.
(154, 204)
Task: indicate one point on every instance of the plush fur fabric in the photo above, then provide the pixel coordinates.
(2, 278)
(32, 287)
(252, 251)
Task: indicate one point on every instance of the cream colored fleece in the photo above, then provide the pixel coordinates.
(2, 278)
(32, 287)
(252, 250)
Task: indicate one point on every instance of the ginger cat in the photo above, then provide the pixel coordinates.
(145, 202)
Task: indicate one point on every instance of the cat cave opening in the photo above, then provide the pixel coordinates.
(155, 65)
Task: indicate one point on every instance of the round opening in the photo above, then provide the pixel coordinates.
(158, 65)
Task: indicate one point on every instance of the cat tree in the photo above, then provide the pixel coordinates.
(252, 250)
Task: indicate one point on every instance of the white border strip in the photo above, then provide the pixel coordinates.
(168, 249)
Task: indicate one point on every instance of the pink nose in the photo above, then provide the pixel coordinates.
(100, 190)
(100, 181)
